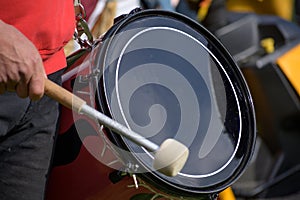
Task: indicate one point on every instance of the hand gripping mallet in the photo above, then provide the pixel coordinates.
(169, 157)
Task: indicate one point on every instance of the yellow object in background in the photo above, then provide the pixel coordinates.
(289, 64)
(227, 194)
(268, 44)
(203, 9)
(281, 8)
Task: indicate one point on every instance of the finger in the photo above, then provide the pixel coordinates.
(36, 86)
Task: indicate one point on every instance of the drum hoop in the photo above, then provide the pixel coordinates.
(151, 177)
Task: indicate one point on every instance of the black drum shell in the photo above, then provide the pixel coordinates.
(249, 129)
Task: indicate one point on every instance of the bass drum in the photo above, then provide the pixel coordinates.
(164, 76)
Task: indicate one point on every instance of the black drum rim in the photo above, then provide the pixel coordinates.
(242, 86)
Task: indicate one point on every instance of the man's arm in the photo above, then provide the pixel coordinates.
(21, 66)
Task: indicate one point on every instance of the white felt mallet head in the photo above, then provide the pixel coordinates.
(170, 158)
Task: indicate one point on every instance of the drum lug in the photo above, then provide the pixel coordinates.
(127, 170)
(84, 80)
(131, 167)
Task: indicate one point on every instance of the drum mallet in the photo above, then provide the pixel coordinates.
(169, 157)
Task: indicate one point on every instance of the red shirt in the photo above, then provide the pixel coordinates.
(49, 24)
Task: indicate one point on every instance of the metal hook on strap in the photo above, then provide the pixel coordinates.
(82, 33)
